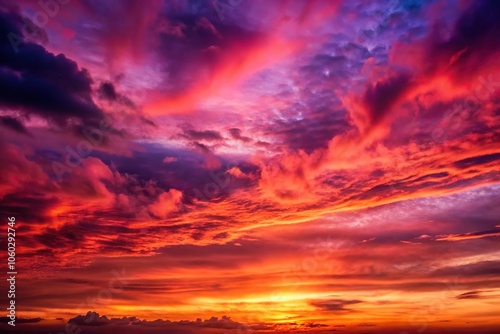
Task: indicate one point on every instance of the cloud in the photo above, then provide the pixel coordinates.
(208, 135)
(477, 160)
(314, 325)
(166, 203)
(168, 160)
(294, 149)
(13, 123)
(94, 319)
(367, 325)
(37, 82)
(378, 100)
(21, 320)
(334, 305)
(237, 173)
(236, 134)
(468, 236)
(17, 167)
(198, 42)
(473, 40)
(477, 269)
(209, 49)
(107, 91)
(469, 295)
(118, 52)
(226, 323)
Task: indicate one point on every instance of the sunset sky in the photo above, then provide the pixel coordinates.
(251, 166)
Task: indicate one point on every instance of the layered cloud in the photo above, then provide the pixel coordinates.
(292, 166)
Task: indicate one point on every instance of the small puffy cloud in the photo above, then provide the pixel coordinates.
(236, 172)
(166, 203)
(168, 160)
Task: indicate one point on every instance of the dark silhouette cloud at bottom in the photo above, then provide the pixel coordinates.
(93, 323)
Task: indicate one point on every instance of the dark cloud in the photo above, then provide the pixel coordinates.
(225, 323)
(21, 320)
(478, 160)
(432, 176)
(381, 96)
(313, 131)
(314, 325)
(107, 91)
(470, 235)
(36, 81)
(334, 304)
(147, 164)
(202, 147)
(208, 135)
(469, 295)
(76, 234)
(94, 319)
(316, 114)
(475, 37)
(13, 124)
(236, 134)
(68, 234)
(32, 208)
(222, 235)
